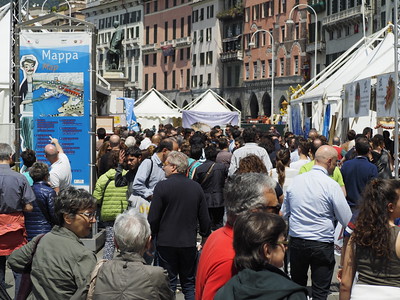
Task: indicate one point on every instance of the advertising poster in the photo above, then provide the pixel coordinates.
(385, 89)
(55, 94)
(296, 119)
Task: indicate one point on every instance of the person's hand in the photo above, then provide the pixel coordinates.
(121, 156)
(53, 140)
(339, 274)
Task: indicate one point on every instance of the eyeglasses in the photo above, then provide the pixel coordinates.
(284, 243)
(271, 209)
(90, 216)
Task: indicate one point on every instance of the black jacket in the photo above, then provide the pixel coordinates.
(269, 284)
(177, 206)
(213, 185)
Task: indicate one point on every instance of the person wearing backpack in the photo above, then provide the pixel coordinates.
(112, 201)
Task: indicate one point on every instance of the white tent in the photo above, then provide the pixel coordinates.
(369, 57)
(154, 108)
(210, 109)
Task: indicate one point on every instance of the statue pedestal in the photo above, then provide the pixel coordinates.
(114, 75)
(117, 82)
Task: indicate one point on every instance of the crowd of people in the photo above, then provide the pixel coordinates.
(228, 214)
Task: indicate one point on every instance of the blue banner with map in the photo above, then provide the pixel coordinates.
(55, 91)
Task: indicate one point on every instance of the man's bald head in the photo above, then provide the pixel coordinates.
(326, 156)
(115, 141)
(51, 153)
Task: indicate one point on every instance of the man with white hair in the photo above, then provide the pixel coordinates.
(60, 169)
(313, 203)
(178, 205)
(128, 275)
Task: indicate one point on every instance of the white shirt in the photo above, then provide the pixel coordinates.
(60, 172)
(289, 175)
(298, 164)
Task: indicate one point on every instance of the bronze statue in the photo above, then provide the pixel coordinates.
(115, 50)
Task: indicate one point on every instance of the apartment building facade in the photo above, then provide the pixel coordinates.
(166, 49)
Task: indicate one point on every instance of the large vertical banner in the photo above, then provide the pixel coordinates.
(357, 98)
(55, 91)
(385, 89)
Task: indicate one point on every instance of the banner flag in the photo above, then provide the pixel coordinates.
(131, 121)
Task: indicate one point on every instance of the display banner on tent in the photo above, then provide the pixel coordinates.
(206, 120)
(385, 89)
(130, 114)
(357, 98)
(296, 119)
(55, 92)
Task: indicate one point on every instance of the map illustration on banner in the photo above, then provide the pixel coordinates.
(385, 92)
(357, 98)
(55, 94)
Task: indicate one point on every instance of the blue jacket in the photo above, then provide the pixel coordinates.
(35, 222)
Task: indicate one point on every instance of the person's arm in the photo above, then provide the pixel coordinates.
(156, 211)
(165, 292)
(20, 258)
(233, 166)
(119, 179)
(340, 207)
(28, 196)
(348, 273)
(204, 217)
(99, 188)
(28, 207)
(57, 144)
(139, 184)
(267, 161)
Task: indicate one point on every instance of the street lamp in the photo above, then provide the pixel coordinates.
(252, 44)
(290, 21)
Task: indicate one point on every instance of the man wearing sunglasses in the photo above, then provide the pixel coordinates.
(243, 193)
(313, 203)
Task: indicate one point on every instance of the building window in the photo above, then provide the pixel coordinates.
(201, 80)
(136, 73)
(174, 29)
(247, 70)
(173, 80)
(208, 34)
(255, 70)
(147, 7)
(330, 35)
(173, 57)
(195, 14)
(229, 76)
(263, 69)
(201, 35)
(155, 5)
(182, 27)
(347, 28)
(256, 12)
(247, 14)
(155, 33)
(146, 60)
(296, 65)
(194, 60)
(270, 68)
(209, 58)
(282, 34)
(181, 80)
(181, 55)
(154, 59)
(201, 16)
(297, 32)
(165, 31)
(166, 3)
(202, 59)
(189, 25)
(209, 79)
(282, 63)
(194, 81)
(188, 79)
(155, 80)
(147, 35)
(383, 19)
(271, 31)
(165, 60)
(165, 80)
(188, 53)
(339, 33)
(146, 82)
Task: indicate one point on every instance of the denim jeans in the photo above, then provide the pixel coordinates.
(182, 262)
(317, 255)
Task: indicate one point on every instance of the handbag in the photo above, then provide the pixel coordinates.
(25, 287)
(93, 278)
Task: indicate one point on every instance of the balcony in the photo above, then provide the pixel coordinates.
(167, 43)
(149, 48)
(231, 56)
(131, 41)
(353, 14)
(183, 42)
(310, 48)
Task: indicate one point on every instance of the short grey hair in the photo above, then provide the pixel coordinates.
(131, 232)
(180, 160)
(245, 191)
(5, 151)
